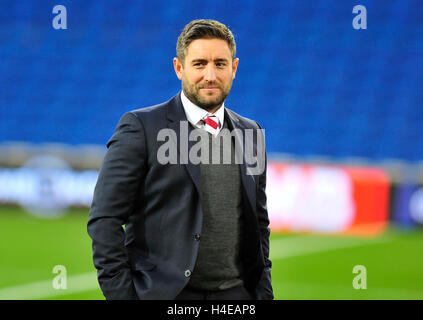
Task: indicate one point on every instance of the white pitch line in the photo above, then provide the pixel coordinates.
(303, 245)
(280, 248)
(337, 291)
(44, 289)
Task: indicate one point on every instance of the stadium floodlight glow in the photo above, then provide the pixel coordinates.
(46, 186)
(42, 198)
(416, 206)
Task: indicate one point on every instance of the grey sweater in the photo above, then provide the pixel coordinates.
(218, 264)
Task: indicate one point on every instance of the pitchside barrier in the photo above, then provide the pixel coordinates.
(327, 198)
(310, 196)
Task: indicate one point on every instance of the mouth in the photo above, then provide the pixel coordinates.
(209, 88)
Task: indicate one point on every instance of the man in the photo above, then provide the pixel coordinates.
(191, 230)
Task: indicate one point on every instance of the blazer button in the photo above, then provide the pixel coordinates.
(187, 273)
(197, 237)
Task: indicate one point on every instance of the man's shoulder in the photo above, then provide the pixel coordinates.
(154, 113)
(150, 110)
(246, 122)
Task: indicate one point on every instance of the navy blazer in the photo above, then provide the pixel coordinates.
(160, 207)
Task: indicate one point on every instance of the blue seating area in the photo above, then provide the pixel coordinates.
(317, 85)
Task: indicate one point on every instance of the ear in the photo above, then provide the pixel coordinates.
(178, 67)
(234, 67)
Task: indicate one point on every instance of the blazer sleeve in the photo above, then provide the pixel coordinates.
(114, 198)
(264, 289)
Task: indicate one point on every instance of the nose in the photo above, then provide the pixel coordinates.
(210, 73)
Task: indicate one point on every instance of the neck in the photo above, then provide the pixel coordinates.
(214, 109)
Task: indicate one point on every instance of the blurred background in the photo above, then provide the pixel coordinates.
(342, 109)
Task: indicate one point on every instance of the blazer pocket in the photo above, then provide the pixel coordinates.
(142, 265)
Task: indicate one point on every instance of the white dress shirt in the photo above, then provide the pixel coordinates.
(194, 113)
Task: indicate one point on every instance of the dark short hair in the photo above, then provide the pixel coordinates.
(204, 29)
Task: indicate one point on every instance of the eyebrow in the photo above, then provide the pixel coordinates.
(205, 60)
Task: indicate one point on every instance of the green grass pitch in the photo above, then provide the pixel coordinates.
(304, 266)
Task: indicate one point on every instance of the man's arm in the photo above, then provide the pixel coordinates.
(115, 195)
(264, 289)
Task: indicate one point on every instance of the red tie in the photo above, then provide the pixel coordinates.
(211, 124)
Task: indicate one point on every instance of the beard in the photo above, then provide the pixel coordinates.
(204, 100)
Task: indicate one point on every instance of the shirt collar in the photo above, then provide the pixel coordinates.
(194, 113)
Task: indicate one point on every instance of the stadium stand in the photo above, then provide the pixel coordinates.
(315, 84)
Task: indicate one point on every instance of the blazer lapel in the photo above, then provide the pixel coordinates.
(177, 121)
(248, 181)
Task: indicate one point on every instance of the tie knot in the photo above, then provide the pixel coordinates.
(212, 121)
(211, 124)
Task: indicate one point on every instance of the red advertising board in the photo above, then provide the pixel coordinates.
(327, 199)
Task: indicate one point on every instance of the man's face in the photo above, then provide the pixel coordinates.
(207, 72)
